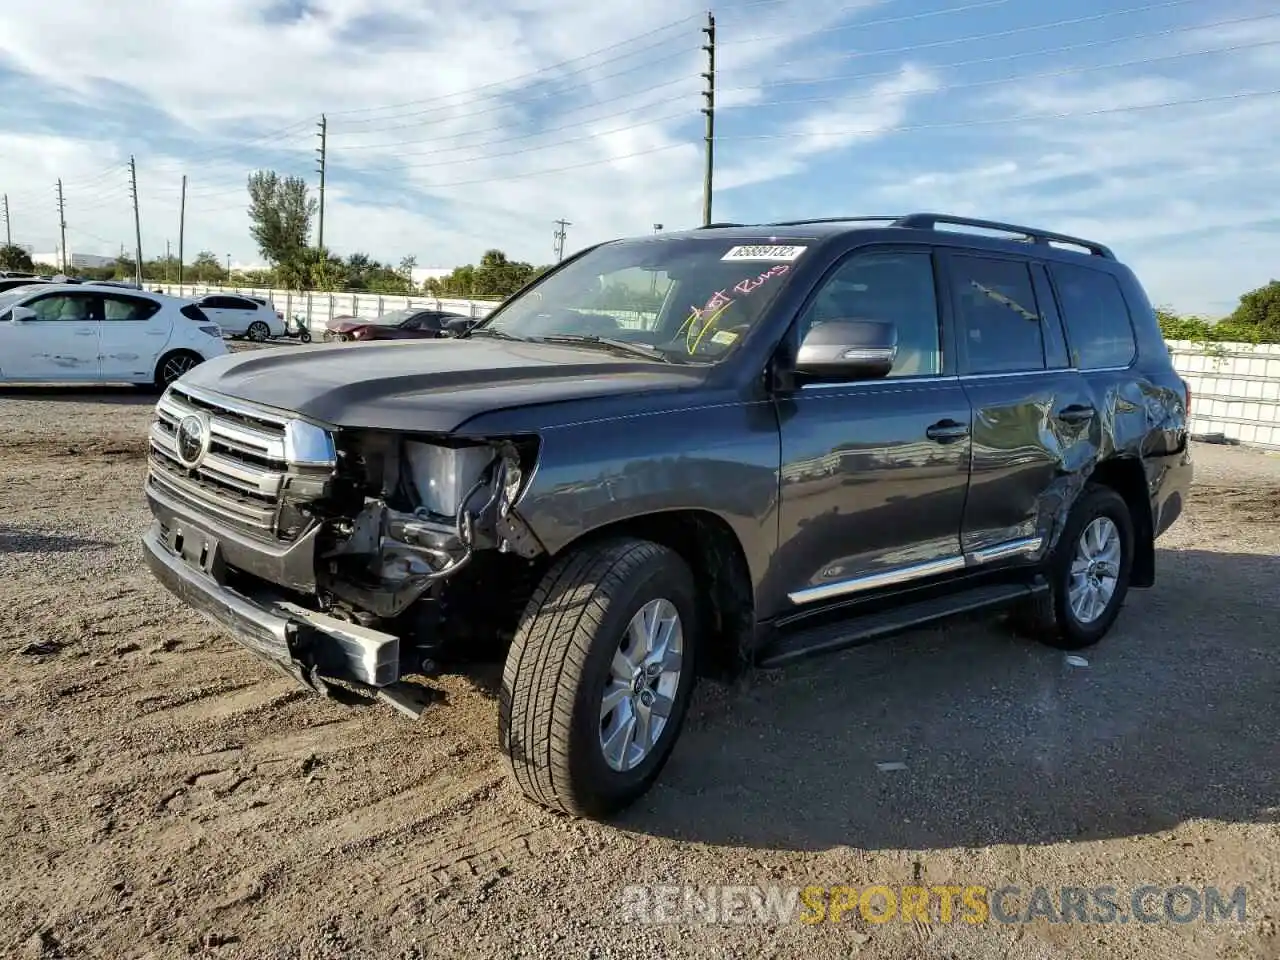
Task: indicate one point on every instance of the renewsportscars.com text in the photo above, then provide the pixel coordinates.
(972, 904)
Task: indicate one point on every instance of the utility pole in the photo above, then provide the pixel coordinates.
(324, 130)
(182, 225)
(167, 257)
(710, 111)
(8, 234)
(228, 269)
(560, 237)
(137, 222)
(62, 224)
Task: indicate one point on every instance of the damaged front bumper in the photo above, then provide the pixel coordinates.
(304, 644)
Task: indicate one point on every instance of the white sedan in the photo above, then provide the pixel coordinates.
(240, 316)
(82, 333)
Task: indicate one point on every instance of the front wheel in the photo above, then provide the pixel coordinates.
(599, 676)
(1088, 574)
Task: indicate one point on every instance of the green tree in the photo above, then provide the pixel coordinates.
(205, 268)
(280, 213)
(494, 277)
(13, 257)
(1257, 318)
(313, 269)
(1173, 326)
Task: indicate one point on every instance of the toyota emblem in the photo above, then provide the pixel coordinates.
(192, 440)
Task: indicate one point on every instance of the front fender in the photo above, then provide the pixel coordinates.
(722, 458)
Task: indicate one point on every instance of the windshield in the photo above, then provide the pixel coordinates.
(10, 297)
(687, 299)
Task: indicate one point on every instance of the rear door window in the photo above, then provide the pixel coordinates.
(997, 320)
(116, 307)
(1099, 327)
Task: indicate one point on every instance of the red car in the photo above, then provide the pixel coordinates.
(407, 324)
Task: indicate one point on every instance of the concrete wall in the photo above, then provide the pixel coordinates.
(1235, 390)
(320, 307)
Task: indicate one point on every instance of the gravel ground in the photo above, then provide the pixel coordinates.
(162, 794)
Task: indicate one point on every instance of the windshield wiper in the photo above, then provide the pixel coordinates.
(648, 351)
(489, 332)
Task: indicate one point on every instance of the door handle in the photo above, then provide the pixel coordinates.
(945, 431)
(1076, 413)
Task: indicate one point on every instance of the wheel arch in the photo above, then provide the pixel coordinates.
(708, 544)
(1126, 476)
(171, 351)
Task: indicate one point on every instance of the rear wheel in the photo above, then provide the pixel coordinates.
(173, 365)
(258, 331)
(1088, 574)
(598, 679)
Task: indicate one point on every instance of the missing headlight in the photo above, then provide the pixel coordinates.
(443, 475)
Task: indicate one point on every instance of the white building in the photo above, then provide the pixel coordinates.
(81, 260)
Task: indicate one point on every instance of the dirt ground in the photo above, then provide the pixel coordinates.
(162, 794)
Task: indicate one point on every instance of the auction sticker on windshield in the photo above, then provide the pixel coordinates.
(761, 252)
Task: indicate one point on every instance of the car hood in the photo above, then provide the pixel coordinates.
(429, 385)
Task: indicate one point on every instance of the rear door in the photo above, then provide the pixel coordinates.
(59, 344)
(1032, 415)
(133, 333)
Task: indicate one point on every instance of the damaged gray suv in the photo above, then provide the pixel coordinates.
(676, 454)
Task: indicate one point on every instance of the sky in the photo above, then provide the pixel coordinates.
(453, 127)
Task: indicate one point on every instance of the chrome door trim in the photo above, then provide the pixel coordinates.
(886, 578)
(930, 568)
(1003, 551)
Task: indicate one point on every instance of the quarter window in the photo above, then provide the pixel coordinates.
(996, 315)
(1098, 321)
(892, 286)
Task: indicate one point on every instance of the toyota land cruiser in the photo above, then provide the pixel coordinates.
(678, 453)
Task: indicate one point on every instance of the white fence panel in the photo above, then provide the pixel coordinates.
(318, 308)
(1235, 387)
(1235, 390)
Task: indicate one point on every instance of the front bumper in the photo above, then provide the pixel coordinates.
(304, 644)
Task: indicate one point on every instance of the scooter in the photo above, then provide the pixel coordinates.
(299, 328)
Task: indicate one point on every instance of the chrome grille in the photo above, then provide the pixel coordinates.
(250, 457)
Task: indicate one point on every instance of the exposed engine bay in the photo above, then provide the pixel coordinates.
(419, 538)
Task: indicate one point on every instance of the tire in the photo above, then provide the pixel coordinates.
(551, 723)
(173, 365)
(305, 336)
(258, 331)
(1050, 617)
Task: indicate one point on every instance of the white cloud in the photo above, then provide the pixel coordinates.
(444, 171)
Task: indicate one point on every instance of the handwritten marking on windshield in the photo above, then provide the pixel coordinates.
(705, 321)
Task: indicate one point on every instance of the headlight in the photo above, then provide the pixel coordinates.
(443, 475)
(511, 483)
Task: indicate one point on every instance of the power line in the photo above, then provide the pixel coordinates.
(596, 103)
(999, 34)
(507, 102)
(873, 130)
(533, 73)
(886, 20)
(980, 61)
(1043, 75)
(1018, 119)
(595, 134)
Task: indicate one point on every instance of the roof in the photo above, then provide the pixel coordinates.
(916, 226)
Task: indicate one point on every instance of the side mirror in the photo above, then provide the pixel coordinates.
(843, 350)
(19, 314)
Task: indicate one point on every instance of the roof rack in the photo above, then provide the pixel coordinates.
(930, 221)
(802, 223)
